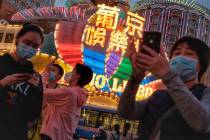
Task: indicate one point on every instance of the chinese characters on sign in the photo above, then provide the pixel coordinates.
(108, 32)
(106, 22)
(95, 35)
(118, 41)
(107, 17)
(134, 24)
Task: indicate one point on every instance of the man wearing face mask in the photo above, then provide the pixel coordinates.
(52, 75)
(182, 110)
(20, 86)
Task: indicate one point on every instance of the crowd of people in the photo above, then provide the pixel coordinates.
(181, 111)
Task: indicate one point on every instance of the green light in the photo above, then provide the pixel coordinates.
(124, 70)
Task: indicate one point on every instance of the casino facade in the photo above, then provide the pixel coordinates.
(175, 18)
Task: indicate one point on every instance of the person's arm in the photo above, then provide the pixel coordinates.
(128, 107)
(196, 113)
(55, 96)
(2, 88)
(45, 74)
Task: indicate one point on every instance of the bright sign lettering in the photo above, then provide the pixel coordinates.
(95, 36)
(107, 17)
(99, 81)
(134, 24)
(118, 41)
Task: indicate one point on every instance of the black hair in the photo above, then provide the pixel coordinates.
(60, 69)
(27, 27)
(86, 74)
(117, 128)
(126, 129)
(202, 50)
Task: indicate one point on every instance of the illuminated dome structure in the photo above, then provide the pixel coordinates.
(175, 18)
(47, 17)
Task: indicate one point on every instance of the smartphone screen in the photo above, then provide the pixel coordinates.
(152, 40)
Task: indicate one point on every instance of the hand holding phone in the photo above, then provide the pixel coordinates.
(152, 40)
(14, 79)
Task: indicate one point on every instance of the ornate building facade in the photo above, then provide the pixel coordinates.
(9, 7)
(175, 19)
(7, 36)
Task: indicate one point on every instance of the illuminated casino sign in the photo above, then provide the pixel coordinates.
(118, 85)
(104, 47)
(101, 42)
(108, 31)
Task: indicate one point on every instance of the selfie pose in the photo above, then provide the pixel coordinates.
(20, 86)
(182, 111)
(62, 106)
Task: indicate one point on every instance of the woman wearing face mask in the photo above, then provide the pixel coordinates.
(182, 111)
(20, 86)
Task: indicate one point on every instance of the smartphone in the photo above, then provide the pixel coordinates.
(152, 40)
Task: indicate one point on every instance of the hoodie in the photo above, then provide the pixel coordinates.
(19, 103)
(62, 107)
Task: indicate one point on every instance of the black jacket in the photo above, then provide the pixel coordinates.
(20, 103)
(173, 126)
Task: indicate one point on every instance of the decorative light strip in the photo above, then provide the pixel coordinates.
(74, 12)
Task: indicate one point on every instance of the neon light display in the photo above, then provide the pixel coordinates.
(67, 41)
(106, 32)
(102, 43)
(104, 46)
(74, 12)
